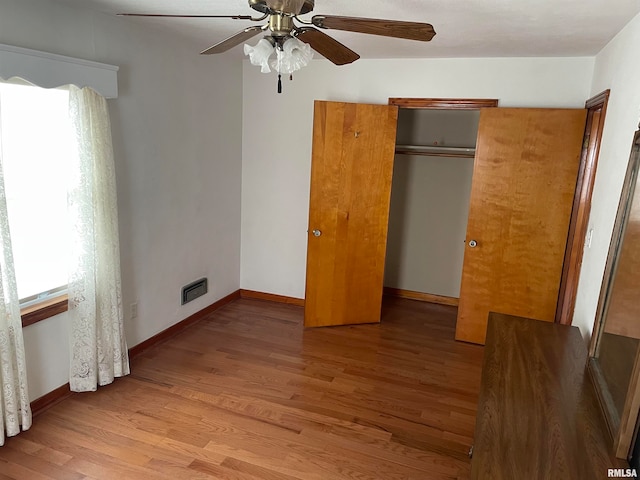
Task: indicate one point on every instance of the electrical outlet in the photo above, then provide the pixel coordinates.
(134, 310)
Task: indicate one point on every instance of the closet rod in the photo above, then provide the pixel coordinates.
(436, 151)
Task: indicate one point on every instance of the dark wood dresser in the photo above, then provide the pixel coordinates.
(538, 414)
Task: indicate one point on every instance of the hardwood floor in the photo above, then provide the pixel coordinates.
(249, 394)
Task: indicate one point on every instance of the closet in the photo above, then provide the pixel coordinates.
(430, 193)
(518, 188)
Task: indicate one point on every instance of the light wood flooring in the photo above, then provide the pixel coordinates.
(249, 394)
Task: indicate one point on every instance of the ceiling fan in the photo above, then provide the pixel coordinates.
(281, 27)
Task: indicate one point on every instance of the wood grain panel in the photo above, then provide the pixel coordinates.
(248, 393)
(327, 46)
(233, 40)
(523, 187)
(388, 28)
(43, 310)
(538, 415)
(352, 165)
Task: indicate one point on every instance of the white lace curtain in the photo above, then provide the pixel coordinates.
(15, 411)
(98, 345)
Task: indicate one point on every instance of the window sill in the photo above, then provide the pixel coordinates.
(41, 311)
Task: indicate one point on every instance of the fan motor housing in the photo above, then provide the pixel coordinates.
(280, 25)
(282, 6)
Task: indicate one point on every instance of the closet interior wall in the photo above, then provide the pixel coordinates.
(430, 201)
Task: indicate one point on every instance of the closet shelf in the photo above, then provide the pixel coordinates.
(436, 151)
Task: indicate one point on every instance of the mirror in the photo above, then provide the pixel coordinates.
(614, 354)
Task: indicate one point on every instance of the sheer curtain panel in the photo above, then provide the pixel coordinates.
(98, 345)
(15, 411)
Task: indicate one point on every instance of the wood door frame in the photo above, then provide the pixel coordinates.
(579, 224)
(444, 103)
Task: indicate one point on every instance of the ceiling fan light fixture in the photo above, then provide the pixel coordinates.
(259, 55)
(293, 55)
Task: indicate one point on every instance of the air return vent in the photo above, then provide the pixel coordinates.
(194, 290)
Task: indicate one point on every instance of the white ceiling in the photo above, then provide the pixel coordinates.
(465, 28)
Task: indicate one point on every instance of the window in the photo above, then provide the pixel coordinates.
(36, 144)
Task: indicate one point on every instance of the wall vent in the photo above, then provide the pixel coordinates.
(194, 290)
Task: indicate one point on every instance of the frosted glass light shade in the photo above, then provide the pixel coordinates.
(259, 55)
(293, 56)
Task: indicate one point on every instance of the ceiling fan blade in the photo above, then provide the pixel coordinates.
(387, 28)
(326, 46)
(233, 40)
(235, 17)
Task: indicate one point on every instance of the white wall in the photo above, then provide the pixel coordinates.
(177, 139)
(617, 68)
(428, 223)
(430, 203)
(276, 145)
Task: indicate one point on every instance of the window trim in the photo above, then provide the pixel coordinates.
(43, 310)
(49, 70)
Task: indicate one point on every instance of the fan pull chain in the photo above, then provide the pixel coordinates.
(279, 83)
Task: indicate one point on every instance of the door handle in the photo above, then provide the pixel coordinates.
(316, 233)
(473, 243)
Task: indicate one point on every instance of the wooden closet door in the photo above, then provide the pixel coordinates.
(351, 170)
(524, 180)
